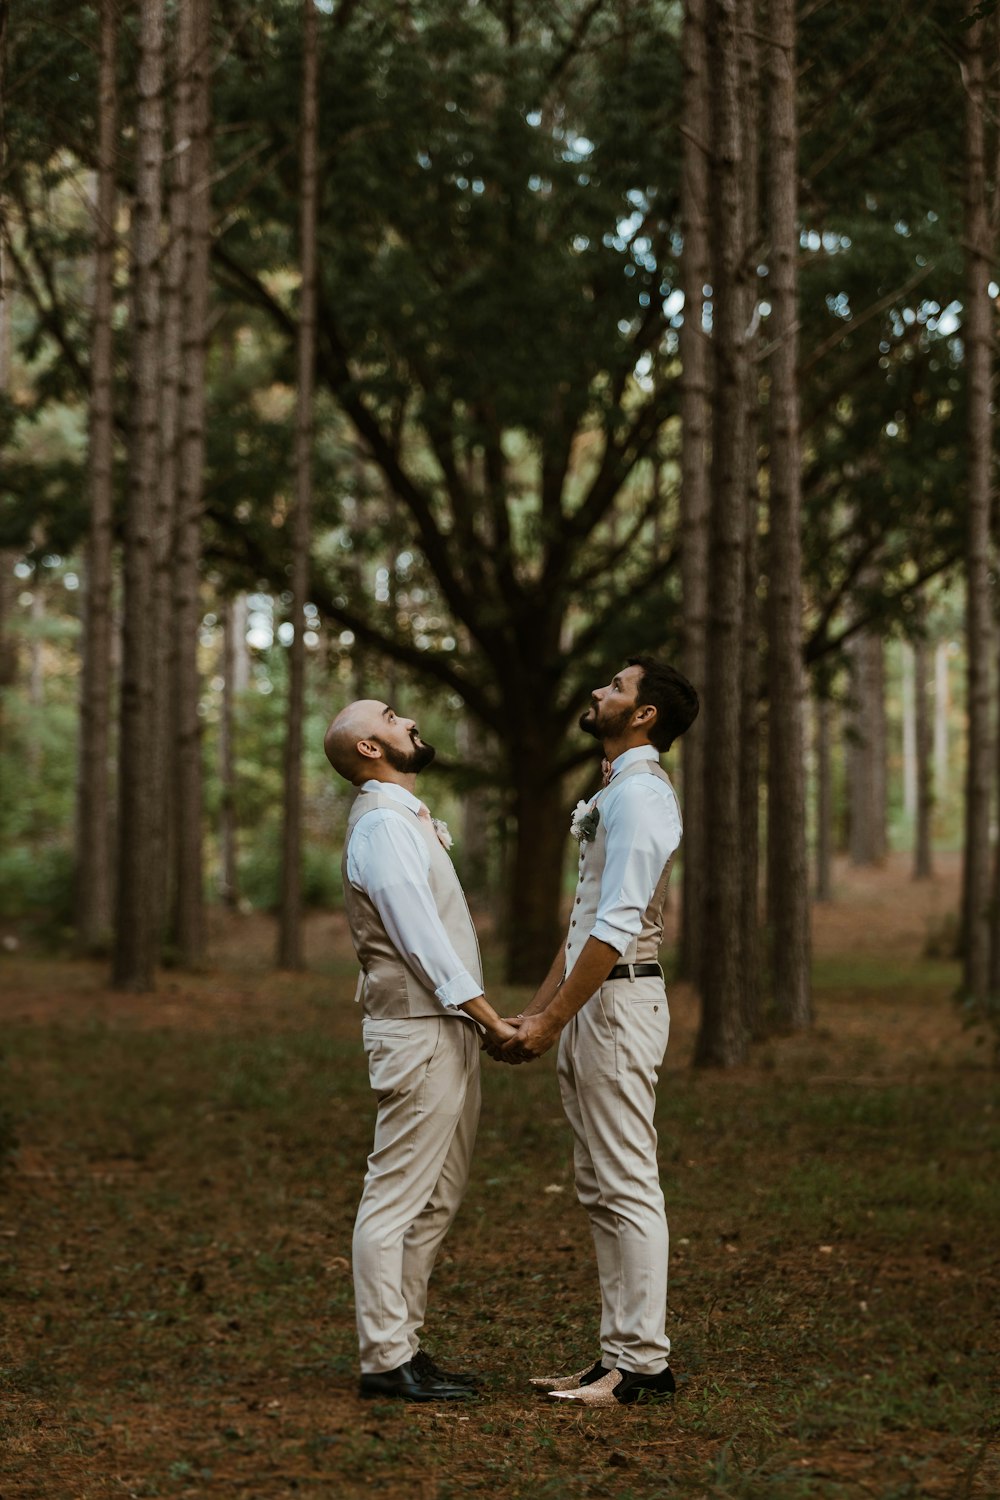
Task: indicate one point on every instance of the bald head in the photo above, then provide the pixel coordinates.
(369, 740)
(360, 721)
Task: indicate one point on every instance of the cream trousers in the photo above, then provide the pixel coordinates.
(425, 1074)
(609, 1058)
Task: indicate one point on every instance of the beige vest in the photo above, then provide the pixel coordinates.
(645, 947)
(389, 988)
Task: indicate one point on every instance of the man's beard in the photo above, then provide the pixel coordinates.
(409, 762)
(605, 728)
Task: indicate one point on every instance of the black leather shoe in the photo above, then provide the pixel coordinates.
(619, 1388)
(645, 1387)
(406, 1385)
(424, 1367)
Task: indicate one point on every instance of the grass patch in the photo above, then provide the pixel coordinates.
(175, 1228)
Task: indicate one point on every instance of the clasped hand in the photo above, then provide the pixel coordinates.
(523, 1039)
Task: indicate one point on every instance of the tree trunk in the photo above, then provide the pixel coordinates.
(695, 352)
(92, 884)
(787, 862)
(234, 682)
(722, 1037)
(909, 709)
(922, 859)
(139, 914)
(824, 801)
(994, 981)
(535, 869)
(477, 814)
(290, 954)
(194, 63)
(977, 336)
(750, 715)
(942, 709)
(750, 743)
(866, 751)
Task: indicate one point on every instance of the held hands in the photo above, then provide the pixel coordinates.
(535, 1035)
(496, 1034)
(525, 1039)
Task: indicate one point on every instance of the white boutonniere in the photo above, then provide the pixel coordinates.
(583, 824)
(444, 836)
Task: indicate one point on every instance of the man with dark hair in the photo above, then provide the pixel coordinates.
(670, 693)
(605, 1002)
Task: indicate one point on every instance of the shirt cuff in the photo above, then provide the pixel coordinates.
(613, 936)
(463, 987)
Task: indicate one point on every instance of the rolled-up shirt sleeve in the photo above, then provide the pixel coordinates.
(388, 862)
(643, 830)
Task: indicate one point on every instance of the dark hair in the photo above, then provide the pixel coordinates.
(670, 693)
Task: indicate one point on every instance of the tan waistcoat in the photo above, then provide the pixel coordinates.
(644, 948)
(388, 987)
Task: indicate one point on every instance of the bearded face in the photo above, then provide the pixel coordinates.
(408, 761)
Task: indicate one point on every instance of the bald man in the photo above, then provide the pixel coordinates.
(423, 1004)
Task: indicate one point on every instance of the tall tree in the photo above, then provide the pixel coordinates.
(93, 873)
(866, 750)
(978, 339)
(922, 856)
(235, 677)
(823, 713)
(942, 711)
(139, 909)
(787, 860)
(722, 1036)
(194, 62)
(290, 953)
(750, 676)
(695, 353)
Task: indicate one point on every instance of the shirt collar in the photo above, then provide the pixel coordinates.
(629, 757)
(397, 792)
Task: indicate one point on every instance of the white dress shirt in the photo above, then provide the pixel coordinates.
(388, 861)
(643, 828)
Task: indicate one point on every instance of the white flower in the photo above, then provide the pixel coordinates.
(444, 836)
(583, 824)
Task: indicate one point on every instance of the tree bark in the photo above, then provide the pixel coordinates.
(93, 875)
(535, 870)
(695, 353)
(722, 1036)
(824, 800)
(787, 863)
(290, 953)
(909, 709)
(477, 814)
(194, 63)
(866, 751)
(922, 857)
(942, 709)
(979, 368)
(139, 911)
(750, 713)
(234, 683)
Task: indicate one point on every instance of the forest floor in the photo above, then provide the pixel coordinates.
(175, 1225)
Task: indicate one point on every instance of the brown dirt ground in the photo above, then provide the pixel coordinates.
(878, 913)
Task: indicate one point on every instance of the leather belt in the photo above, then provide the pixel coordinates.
(635, 971)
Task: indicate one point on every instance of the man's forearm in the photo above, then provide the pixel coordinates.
(482, 1011)
(549, 984)
(539, 1029)
(591, 969)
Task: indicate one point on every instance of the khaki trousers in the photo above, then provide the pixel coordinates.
(609, 1057)
(425, 1074)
